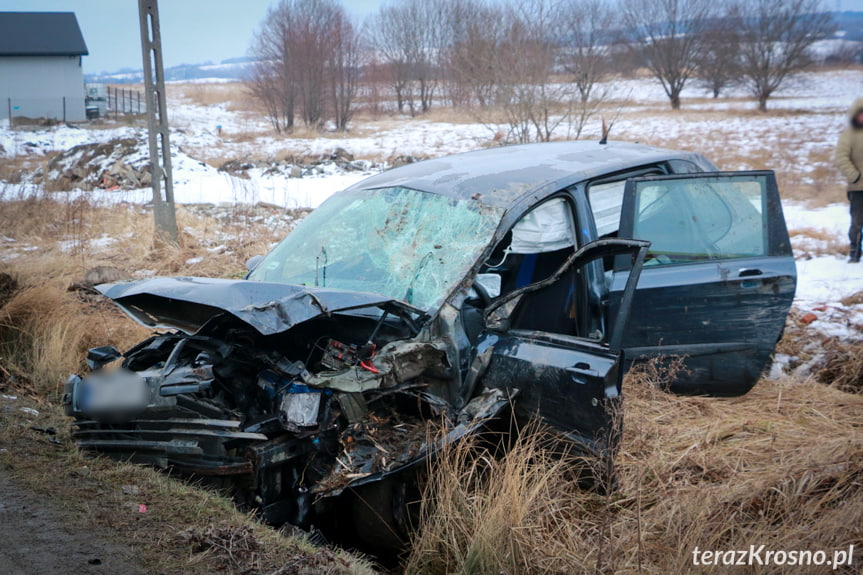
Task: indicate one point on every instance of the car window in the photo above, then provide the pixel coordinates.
(606, 198)
(397, 242)
(605, 201)
(701, 219)
(538, 244)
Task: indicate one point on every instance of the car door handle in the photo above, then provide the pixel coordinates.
(749, 272)
(750, 278)
(582, 368)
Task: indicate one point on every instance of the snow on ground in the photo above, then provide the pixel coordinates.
(798, 140)
(198, 184)
(807, 91)
(825, 280)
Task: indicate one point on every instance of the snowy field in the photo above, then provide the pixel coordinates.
(796, 139)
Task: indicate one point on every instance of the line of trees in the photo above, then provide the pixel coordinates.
(532, 65)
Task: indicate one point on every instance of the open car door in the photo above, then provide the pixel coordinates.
(572, 383)
(718, 280)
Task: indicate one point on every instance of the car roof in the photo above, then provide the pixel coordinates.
(502, 176)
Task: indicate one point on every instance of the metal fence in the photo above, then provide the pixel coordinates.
(111, 102)
(125, 101)
(34, 110)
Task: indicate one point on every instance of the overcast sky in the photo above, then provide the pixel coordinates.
(193, 31)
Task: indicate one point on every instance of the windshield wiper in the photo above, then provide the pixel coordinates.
(322, 253)
(409, 295)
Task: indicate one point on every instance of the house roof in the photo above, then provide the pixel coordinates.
(41, 34)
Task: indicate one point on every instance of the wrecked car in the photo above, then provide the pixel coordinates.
(411, 309)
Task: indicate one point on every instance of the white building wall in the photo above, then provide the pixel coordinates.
(37, 85)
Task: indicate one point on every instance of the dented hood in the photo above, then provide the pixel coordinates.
(187, 303)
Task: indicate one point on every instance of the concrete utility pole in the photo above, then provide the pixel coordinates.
(157, 122)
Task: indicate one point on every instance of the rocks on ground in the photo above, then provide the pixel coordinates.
(118, 163)
(298, 166)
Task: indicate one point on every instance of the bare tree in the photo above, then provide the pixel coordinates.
(668, 35)
(343, 70)
(845, 52)
(522, 91)
(476, 30)
(266, 85)
(587, 25)
(409, 37)
(533, 103)
(307, 63)
(387, 43)
(271, 81)
(775, 39)
(719, 64)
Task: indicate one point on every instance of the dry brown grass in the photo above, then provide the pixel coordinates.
(46, 329)
(45, 332)
(485, 515)
(781, 466)
(234, 94)
(842, 366)
(186, 529)
(853, 299)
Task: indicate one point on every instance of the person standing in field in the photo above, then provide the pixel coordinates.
(849, 158)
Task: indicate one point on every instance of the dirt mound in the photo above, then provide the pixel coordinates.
(119, 163)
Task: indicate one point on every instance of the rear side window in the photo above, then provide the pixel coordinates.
(606, 196)
(701, 219)
(605, 202)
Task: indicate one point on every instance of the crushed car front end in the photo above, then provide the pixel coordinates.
(354, 389)
(293, 386)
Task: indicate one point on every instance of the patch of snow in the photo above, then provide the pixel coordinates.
(826, 280)
(833, 219)
(214, 80)
(94, 244)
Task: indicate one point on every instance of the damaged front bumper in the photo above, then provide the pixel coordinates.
(284, 437)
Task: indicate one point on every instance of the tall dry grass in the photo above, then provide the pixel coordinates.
(483, 514)
(45, 332)
(235, 94)
(781, 466)
(51, 241)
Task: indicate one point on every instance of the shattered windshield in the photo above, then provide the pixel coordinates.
(397, 242)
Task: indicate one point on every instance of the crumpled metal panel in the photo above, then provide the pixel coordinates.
(187, 303)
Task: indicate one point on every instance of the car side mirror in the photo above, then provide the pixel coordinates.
(253, 262)
(98, 357)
